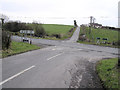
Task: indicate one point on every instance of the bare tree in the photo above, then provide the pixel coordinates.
(3, 19)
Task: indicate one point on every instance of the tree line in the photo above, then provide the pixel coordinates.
(14, 26)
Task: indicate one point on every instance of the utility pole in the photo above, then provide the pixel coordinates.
(91, 17)
(94, 27)
(92, 21)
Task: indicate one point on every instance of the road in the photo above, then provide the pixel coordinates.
(64, 64)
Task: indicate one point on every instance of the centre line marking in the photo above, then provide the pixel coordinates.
(53, 49)
(16, 75)
(79, 49)
(54, 56)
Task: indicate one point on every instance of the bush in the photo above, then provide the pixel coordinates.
(39, 31)
(57, 35)
(6, 40)
(116, 43)
(81, 38)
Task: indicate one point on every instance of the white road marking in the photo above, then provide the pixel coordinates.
(16, 75)
(54, 56)
(53, 49)
(79, 49)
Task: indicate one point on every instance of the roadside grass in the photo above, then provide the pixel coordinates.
(108, 73)
(111, 35)
(18, 47)
(52, 29)
(92, 43)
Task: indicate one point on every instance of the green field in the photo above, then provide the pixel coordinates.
(57, 29)
(111, 35)
(108, 72)
(18, 47)
(51, 29)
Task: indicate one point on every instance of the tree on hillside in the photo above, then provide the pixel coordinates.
(75, 23)
(39, 31)
(3, 19)
(6, 37)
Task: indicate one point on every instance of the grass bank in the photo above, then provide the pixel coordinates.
(108, 72)
(111, 35)
(18, 47)
(92, 43)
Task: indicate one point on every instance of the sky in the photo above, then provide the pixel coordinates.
(119, 14)
(61, 11)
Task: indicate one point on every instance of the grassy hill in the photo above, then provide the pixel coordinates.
(111, 35)
(56, 29)
(52, 29)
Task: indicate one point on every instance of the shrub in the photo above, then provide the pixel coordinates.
(82, 37)
(39, 31)
(116, 43)
(6, 40)
(17, 33)
(57, 35)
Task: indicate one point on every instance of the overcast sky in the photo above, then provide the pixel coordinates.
(61, 11)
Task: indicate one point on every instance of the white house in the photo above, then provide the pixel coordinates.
(96, 25)
(27, 31)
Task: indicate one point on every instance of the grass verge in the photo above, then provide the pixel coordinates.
(18, 47)
(108, 72)
(111, 35)
(92, 43)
